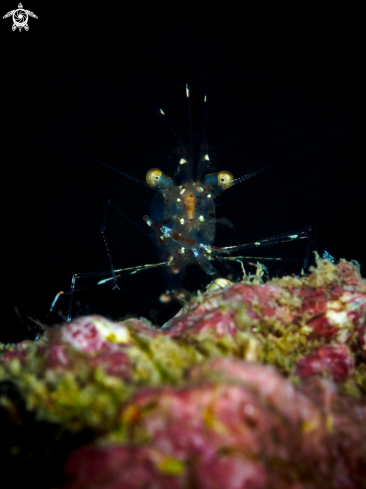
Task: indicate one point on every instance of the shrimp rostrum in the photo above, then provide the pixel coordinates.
(186, 231)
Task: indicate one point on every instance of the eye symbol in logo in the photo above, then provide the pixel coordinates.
(20, 17)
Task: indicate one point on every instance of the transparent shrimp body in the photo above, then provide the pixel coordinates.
(189, 220)
(186, 231)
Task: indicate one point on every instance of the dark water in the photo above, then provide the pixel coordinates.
(86, 80)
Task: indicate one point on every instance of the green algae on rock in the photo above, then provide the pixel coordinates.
(236, 342)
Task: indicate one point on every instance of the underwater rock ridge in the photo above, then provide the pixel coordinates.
(248, 386)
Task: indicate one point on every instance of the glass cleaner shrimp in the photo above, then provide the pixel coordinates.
(186, 231)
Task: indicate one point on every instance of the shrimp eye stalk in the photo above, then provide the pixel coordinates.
(221, 180)
(156, 178)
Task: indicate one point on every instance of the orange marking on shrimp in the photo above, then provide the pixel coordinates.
(185, 239)
(190, 204)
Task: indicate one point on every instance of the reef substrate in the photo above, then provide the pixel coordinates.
(249, 386)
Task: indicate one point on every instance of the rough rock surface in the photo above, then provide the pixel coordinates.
(249, 386)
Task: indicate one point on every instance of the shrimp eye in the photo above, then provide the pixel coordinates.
(157, 178)
(225, 178)
(222, 180)
(153, 176)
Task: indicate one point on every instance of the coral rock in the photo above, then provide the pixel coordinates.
(249, 385)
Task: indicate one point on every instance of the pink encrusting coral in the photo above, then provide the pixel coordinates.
(233, 424)
(317, 320)
(249, 386)
(332, 360)
(330, 304)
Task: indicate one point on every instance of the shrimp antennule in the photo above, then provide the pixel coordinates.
(137, 180)
(260, 170)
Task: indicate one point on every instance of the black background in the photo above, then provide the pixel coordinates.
(280, 82)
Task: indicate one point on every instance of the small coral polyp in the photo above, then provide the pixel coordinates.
(247, 384)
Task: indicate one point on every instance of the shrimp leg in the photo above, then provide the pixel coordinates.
(302, 233)
(117, 274)
(110, 203)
